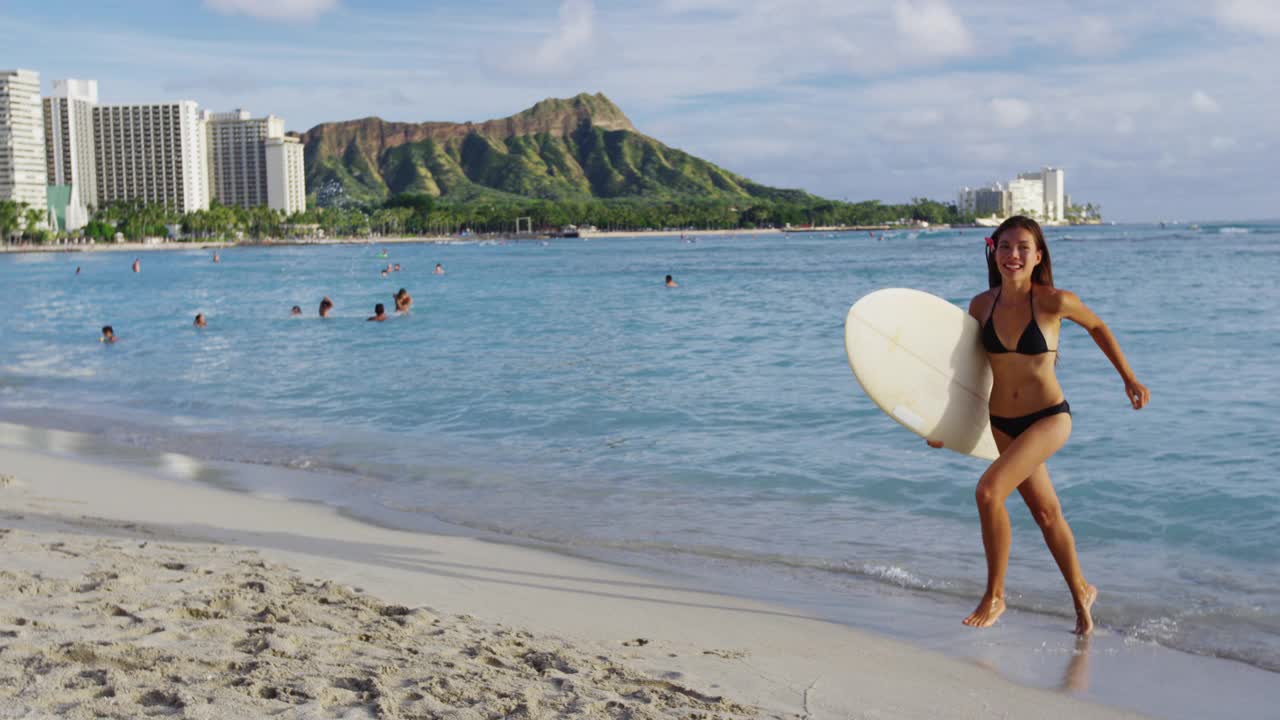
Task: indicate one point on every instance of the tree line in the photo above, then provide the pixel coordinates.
(420, 214)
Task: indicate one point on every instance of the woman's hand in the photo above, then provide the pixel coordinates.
(1137, 393)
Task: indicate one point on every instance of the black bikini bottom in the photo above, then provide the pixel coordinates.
(1015, 426)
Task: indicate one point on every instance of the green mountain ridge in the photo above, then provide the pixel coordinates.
(577, 148)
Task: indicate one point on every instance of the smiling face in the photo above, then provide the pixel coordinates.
(1017, 254)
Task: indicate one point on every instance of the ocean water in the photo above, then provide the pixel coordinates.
(557, 393)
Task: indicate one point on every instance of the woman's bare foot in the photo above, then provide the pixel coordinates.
(1084, 619)
(990, 608)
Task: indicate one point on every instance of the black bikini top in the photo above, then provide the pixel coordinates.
(1032, 341)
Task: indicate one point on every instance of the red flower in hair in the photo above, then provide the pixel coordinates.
(991, 243)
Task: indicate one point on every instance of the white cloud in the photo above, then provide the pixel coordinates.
(1010, 113)
(924, 118)
(767, 88)
(273, 9)
(1201, 101)
(1093, 35)
(1256, 16)
(933, 27)
(683, 6)
(573, 35)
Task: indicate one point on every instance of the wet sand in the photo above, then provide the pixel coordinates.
(125, 594)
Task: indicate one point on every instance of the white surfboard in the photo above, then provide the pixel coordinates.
(919, 359)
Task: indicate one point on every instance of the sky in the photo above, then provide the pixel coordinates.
(1161, 110)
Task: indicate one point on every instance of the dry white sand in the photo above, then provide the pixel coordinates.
(124, 595)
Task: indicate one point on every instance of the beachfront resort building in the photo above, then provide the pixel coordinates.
(286, 175)
(156, 153)
(253, 163)
(985, 201)
(68, 154)
(1040, 195)
(1055, 195)
(1027, 193)
(22, 161)
(68, 132)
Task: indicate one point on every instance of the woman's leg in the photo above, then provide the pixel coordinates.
(1043, 503)
(1018, 458)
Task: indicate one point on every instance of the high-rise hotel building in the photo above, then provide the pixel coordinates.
(1038, 194)
(254, 163)
(156, 153)
(22, 161)
(238, 156)
(286, 175)
(68, 132)
(69, 156)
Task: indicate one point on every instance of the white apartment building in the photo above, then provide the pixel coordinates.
(22, 161)
(286, 175)
(70, 158)
(1038, 194)
(155, 153)
(1027, 192)
(254, 163)
(1055, 208)
(238, 156)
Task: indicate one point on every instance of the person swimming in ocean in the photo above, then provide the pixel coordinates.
(137, 264)
(325, 306)
(1030, 417)
(295, 311)
(439, 270)
(199, 322)
(379, 314)
(670, 282)
(108, 334)
(216, 257)
(395, 267)
(403, 301)
(77, 269)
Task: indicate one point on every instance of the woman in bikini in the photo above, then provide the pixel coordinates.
(1030, 417)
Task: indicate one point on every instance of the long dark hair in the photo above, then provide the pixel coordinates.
(1041, 274)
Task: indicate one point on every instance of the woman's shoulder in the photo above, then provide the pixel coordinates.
(981, 301)
(1053, 299)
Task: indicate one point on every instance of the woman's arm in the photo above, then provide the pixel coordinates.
(1076, 311)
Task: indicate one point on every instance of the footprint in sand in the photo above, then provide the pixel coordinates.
(727, 654)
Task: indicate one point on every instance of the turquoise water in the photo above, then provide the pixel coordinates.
(559, 393)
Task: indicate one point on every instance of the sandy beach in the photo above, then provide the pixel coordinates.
(126, 595)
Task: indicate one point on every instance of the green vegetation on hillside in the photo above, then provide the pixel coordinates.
(575, 149)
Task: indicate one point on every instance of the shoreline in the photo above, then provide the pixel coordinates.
(7, 248)
(782, 661)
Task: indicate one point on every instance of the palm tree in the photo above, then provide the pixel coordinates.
(10, 215)
(33, 218)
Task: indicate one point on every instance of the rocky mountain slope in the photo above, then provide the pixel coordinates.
(560, 149)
